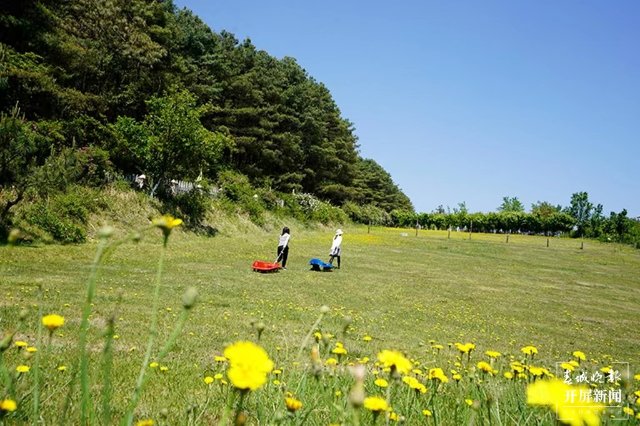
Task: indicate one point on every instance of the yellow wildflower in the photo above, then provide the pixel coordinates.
(469, 402)
(485, 366)
(292, 404)
(457, 377)
(567, 366)
(166, 223)
(427, 413)
(553, 393)
(154, 365)
(493, 354)
(394, 360)
(508, 375)
(376, 404)
(637, 377)
(628, 411)
(338, 393)
(317, 335)
(164, 368)
(218, 376)
(8, 405)
(331, 362)
(465, 348)
(21, 344)
(414, 384)
(32, 349)
(437, 347)
(208, 380)
(579, 355)
(381, 383)
(53, 321)
(437, 373)
(339, 349)
(249, 365)
(529, 350)
(145, 422)
(22, 369)
(277, 372)
(62, 368)
(367, 338)
(219, 358)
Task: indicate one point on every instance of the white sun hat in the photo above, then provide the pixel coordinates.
(339, 232)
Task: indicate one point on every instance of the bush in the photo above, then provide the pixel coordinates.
(62, 217)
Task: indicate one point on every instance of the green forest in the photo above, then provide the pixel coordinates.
(93, 93)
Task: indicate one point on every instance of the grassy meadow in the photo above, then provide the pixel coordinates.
(416, 294)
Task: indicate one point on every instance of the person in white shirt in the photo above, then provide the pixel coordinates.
(336, 248)
(283, 247)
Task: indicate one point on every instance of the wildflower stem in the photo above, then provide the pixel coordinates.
(308, 336)
(106, 372)
(153, 331)
(84, 330)
(36, 372)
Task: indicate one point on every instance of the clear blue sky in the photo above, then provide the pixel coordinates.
(472, 100)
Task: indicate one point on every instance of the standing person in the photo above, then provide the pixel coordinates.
(336, 248)
(283, 247)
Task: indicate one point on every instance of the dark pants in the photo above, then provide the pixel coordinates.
(283, 253)
(334, 257)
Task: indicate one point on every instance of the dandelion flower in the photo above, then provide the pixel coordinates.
(53, 322)
(415, 384)
(166, 223)
(219, 358)
(457, 377)
(553, 393)
(145, 422)
(376, 404)
(485, 367)
(493, 354)
(508, 375)
(164, 368)
(62, 368)
(628, 411)
(208, 380)
(292, 404)
(32, 349)
(567, 366)
(427, 413)
(331, 362)
(20, 344)
(367, 338)
(465, 348)
(154, 365)
(339, 349)
(394, 359)
(23, 369)
(438, 374)
(529, 350)
(8, 405)
(249, 365)
(637, 377)
(381, 383)
(579, 355)
(469, 402)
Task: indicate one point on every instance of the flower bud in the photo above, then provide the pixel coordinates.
(189, 297)
(105, 232)
(324, 309)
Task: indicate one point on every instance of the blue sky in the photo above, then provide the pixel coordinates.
(472, 100)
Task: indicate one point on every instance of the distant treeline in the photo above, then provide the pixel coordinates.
(141, 87)
(580, 219)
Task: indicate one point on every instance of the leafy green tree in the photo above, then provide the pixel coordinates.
(23, 148)
(511, 204)
(580, 209)
(171, 142)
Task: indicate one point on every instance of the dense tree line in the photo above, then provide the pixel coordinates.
(580, 218)
(148, 88)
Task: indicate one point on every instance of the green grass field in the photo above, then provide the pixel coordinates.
(407, 292)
